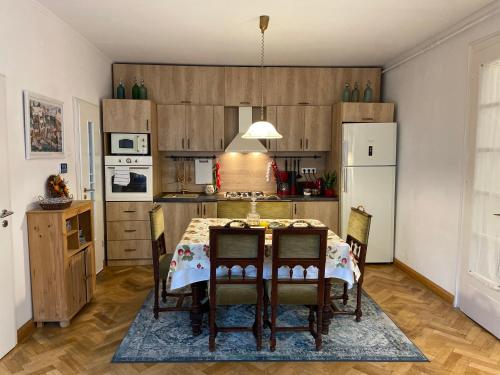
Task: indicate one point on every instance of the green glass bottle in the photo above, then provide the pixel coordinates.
(143, 91)
(346, 94)
(135, 90)
(355, 93)
(368, 94)
(120, 90)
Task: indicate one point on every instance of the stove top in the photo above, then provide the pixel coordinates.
(260, 195)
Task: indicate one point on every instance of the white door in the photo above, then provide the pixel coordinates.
(90, 170)
(374, 189)
(369, 144)
(479, 287)
(8, 334)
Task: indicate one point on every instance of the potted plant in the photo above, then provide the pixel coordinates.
(330, 180)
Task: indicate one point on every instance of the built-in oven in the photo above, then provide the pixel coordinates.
(129, 144)
(129, 178)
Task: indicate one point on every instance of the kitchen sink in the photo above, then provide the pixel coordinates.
(181, 195)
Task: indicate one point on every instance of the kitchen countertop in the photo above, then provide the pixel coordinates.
(219, 197)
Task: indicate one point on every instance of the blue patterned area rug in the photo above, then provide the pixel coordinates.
(169, 339)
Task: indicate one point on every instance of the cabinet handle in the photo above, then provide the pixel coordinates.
(367, 118)
(295, 208)
(129, 250)
(198, 209)
(204, 211)
(307, 144)
(130, 230)
(303, 103)
(186, 101)
(189, 144)
(147, 125)
(183, 143)
(129, 211)
(244, 102)
(221, 144)
(301, 143)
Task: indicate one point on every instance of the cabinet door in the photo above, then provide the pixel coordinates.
(127, 116)
(285, 86)
(318, 128)
(209, 209)
(76, 285)
(177, 218)
(90, 271)
(367, 112)
(242, 86)
(119, 211)
(290, 123)
(200, 127)
(271, 116)
(325, 211)
(171, 127)
(128, 230)
(218, 128)
(197, 85)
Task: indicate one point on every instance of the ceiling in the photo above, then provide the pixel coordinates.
(225, 32)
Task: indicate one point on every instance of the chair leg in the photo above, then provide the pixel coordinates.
(319, 326)
(156, 306)
(358, 311)
(267, 323)
(311, 319)
(345, 296)
(272, 339)
(164, 290)
(258, 321)
(212, 328)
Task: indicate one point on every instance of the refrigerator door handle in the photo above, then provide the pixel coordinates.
(345, 180)
(344, 152)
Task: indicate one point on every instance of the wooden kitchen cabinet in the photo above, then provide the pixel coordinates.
(325, 211)
(127, 116)
(304, 128)
(177, 217)
(203, 85)
(242, 86)
(62, 262)
(209, 209)
(190, 127)
(266, 209)
(366, 112)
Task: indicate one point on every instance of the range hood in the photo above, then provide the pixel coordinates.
(239, 144)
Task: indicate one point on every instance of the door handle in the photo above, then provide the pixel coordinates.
(86, 190)
(5, 213)
(130, 230)
(345, 180)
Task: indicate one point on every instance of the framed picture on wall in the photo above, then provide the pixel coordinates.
(43, 127)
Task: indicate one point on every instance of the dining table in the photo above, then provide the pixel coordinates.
(190, 265)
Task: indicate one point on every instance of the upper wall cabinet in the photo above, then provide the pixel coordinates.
(175, 84)
(366, 112)
(127, 116)
(242, 86)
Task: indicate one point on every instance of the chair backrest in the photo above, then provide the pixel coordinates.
(230, 246)
(305, 247)
(358, 230)
(157, 223)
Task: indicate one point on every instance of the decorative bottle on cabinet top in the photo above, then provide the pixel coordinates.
(120, 90)
(135, 90)
(143, 91)
(355, 93)
(346, 94)
(368, 94)
(253, 218)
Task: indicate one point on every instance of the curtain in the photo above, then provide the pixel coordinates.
(484, 262)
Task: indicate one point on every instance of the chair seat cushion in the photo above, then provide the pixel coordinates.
(236, 294)
(295, 294)
(165, 265)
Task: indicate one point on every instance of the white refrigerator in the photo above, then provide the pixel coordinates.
(368, 179)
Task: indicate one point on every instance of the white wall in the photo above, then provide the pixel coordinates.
(40, 53)
(430, 93)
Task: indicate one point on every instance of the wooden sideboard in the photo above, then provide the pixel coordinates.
(62, 262)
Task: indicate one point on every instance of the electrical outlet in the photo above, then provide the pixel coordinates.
(307, 170)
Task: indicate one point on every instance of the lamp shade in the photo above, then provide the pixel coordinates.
(262, 130)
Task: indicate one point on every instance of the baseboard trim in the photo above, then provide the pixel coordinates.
(26, 331)
(444, 294)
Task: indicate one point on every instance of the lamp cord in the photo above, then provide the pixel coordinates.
(262, 78)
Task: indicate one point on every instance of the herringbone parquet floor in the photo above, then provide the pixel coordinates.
(453, 343)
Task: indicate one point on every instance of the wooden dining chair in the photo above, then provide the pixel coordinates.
(161, 265)
(292, 247)
(241, 247)
(358, 230)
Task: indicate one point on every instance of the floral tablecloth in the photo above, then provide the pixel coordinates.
(190, 262)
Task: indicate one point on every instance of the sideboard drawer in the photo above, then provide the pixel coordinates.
(128, 230)
(129, 249)
(120, 211)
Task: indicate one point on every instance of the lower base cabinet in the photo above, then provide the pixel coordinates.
(325, 211)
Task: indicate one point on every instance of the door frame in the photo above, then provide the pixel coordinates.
(78, 161)
(468, 160)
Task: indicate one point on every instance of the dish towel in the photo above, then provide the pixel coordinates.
(122, 175)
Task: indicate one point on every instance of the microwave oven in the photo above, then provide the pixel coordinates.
(129, 144)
